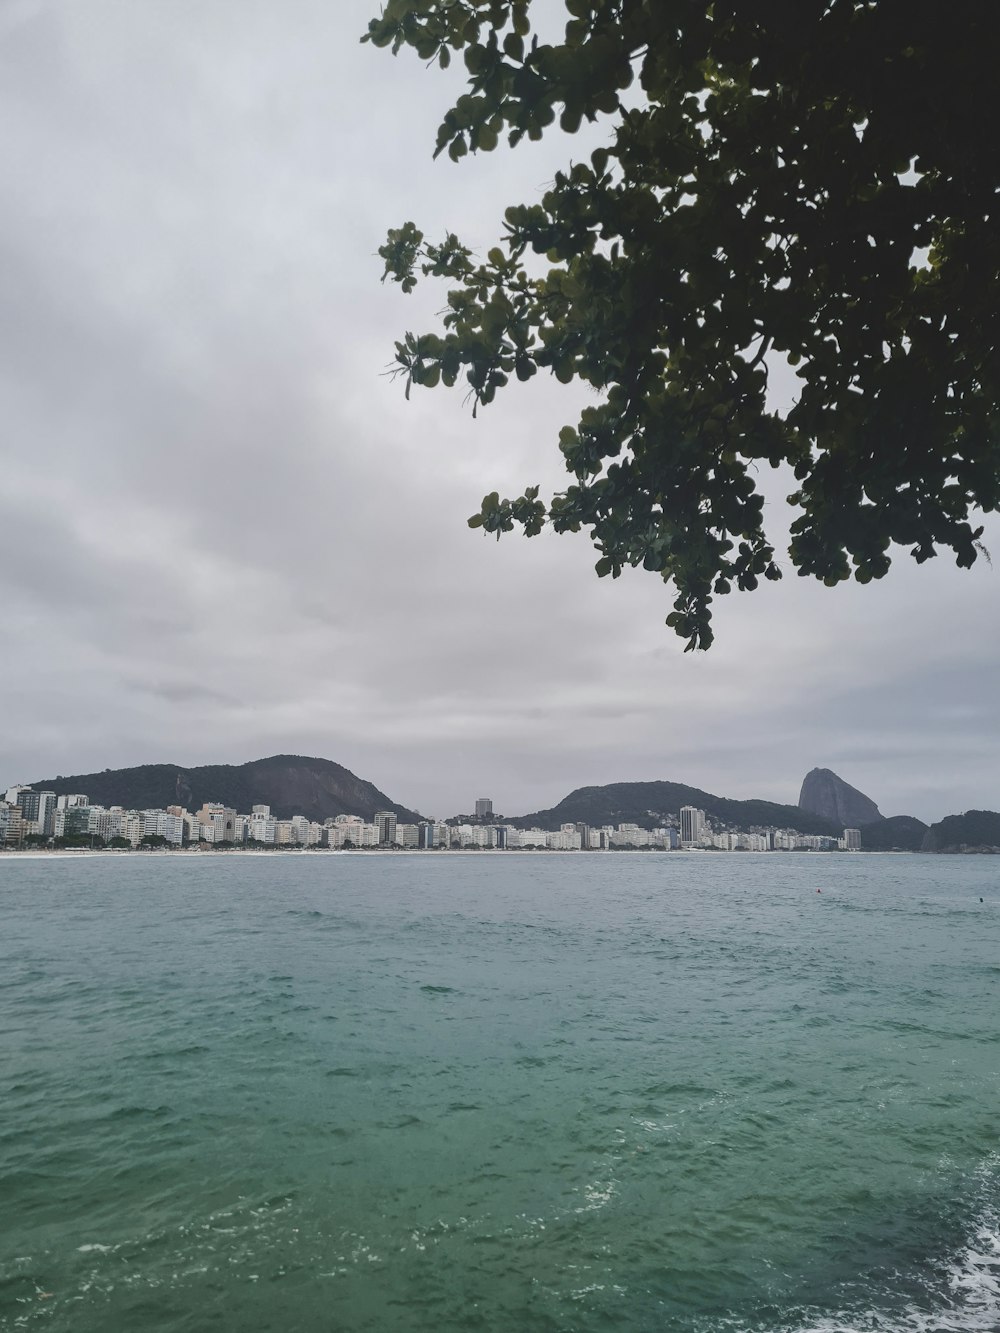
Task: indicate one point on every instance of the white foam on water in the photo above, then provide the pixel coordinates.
(582, 1293)
(597, 1195)
(973, 1280)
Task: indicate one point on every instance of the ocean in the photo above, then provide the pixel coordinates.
(511, 1092)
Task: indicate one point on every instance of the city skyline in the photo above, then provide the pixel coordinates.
(314, 792)
(31, 818)
(226, 532)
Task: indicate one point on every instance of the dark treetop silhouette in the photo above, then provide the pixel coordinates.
(807, 180)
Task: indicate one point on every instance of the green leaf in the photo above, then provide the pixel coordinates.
(513, 45)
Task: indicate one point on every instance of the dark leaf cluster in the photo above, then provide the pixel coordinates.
(809, 180)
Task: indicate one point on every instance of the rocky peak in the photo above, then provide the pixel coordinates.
(824, 794)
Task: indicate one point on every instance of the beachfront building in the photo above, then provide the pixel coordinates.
(11, 825)
(753, 842)
(102, 824)
(566, 840)
(71, 823)
(169, 827)
(217, 822)
(472, 835)
(262, 827)
(526, 837)
(630, 835)
(132, 827)
(385, 822)
(38, 810)
(693, 825)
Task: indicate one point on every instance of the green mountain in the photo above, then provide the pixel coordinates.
(645, 804)
(900, 833)
(290, 784)
(976, 830)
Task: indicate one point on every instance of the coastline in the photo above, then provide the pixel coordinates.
(72, 853)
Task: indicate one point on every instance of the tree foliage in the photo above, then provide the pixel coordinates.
(814, 180)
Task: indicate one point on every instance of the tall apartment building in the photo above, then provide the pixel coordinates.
(27, 801)
(692, 824)
(385, 822)
(38, 809)
(484, 808)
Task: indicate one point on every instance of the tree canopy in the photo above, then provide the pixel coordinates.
(807, 180)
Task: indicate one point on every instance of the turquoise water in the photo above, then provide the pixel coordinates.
(500, 1092)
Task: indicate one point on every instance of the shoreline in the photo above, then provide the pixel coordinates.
(72, 853)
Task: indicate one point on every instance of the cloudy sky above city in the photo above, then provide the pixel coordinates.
(225, 534)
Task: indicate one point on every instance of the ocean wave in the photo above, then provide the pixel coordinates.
(962, 1295)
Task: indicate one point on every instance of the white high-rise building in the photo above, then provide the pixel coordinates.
(133, 827)
(262, 827)
(170, 827)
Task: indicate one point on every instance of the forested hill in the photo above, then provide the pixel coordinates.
(976, 830)
(644, 803)
(290, 784)
(900, 833)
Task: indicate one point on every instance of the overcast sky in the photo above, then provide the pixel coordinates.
(226, 535)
